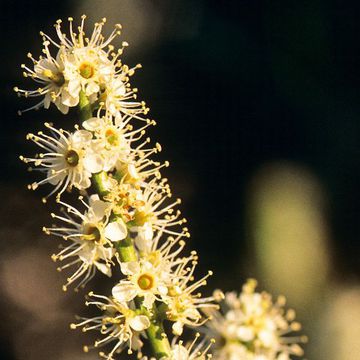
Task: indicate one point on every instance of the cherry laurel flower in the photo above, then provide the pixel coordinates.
(49, 73)
(91, 236)
(183, 301)
(130, 215)
(86, 65)
(143, 280)
(252, 327)
(119, 324)
(69, 159)
(113, 138)
(189, 351)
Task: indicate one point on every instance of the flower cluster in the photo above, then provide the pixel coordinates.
(125, 216)
(252, 327)
(82, 65)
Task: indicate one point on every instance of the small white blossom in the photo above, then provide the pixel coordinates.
(49, 73)
(69, 159)
(143, 280)
(119, 98)
(189, 351)
(110, 140)
(86, 69)
(83, 65)
(183, 301)
(91, 236)
(252, 327)
(118, 324)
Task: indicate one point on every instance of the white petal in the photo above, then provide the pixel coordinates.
(92, 88)
(124, 292)
(132, 171)
(93, 162)
(74, 87)
(88, 254)
(47, 101)
(143, 239)
(93, 198)
(149, 300)
(81, 137)
(82, 182)
(103, 268)
(63, 108)
(163, 290)
(180, 352)
(69, 100)
(92, 124)
(177, 328)
(99, 208)
(139, 323)
(130, 267)
(54, 180)
(116, 230)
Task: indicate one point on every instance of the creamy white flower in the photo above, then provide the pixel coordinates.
(143, 237)
(82, 64)
(86, 69)
(252, 327)
(118, 324)
(140, 168)
(110, 140)
(69, 159)
(91, 235)
(189, 351)
(183, 301)
(48, 71)
(155, 210)
(141, 209)
(143, 280)
(120, 98)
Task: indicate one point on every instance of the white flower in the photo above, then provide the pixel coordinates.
(68, 160)
(183, 301)
(153, 214)
(91, 235)
(189, 351)
(81, 64)
(252, 327)
(180, 352)
(111, 141)
(143, 280)
(119, 98)
(49, 73)
(153, 211)
(86, 69)
(143, 237)
(118, 324)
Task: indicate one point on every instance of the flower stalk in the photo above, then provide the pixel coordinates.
(156, 335)
(125, 215)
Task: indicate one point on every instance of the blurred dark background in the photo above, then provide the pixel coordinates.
(257, 105)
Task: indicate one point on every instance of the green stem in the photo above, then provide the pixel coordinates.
(98, 181)
(126, 250)
(85, 110)
(155, 332)
(159, 344)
